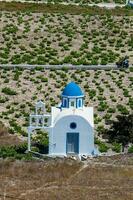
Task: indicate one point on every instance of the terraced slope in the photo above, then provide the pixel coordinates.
(110, 92)
(39, 38)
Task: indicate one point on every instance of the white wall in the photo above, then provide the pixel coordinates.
(58, 133)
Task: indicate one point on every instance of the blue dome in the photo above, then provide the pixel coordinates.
(72, 90)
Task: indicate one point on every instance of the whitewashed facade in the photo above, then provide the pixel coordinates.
(70, 125)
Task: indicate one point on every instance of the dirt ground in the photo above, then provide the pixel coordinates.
(67, 179)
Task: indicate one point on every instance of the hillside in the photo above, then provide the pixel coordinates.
(109, 92)
(63, 34)
(57, 38)
(80, 2)
(67, 179)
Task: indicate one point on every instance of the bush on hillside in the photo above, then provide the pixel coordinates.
(8, 91)
(116, 147)
(121, 130)
(17, 152)
(130, 149)
(102, 146)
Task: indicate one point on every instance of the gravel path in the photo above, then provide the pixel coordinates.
(69, 66)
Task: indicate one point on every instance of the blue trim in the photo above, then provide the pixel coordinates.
(72, 96)
(65, 103)
(76, 103)
(80, 104)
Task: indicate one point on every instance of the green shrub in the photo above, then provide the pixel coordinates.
(102, 106)
(11, 131)
(41, 138)
(16, 128)
(130, 149)
(3, 99)
(17, 152)
(111, 110)
(130, 103)
(21, 148)
(131, 69)
(7, 152)
(27, 156)
(16, 75)
(35, 149)
(116, 147)
(92, 93)
(100, 129)
(122, 109)
(11, 28)
(102, 146)
(8, 91)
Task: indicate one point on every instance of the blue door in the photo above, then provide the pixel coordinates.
(72, 143)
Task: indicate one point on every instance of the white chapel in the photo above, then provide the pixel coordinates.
(70, 125)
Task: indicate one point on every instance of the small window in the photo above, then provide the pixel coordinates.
(80, 103)
(65, 102)
(72, 104)
(73, 125)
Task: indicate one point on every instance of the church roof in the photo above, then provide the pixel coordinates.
(72, 90)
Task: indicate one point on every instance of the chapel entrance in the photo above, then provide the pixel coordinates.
(72, 143)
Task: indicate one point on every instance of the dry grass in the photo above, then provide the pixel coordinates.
(58, 8)
(66, 179)
(6, 139)
(3, 130)
(9, 140)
